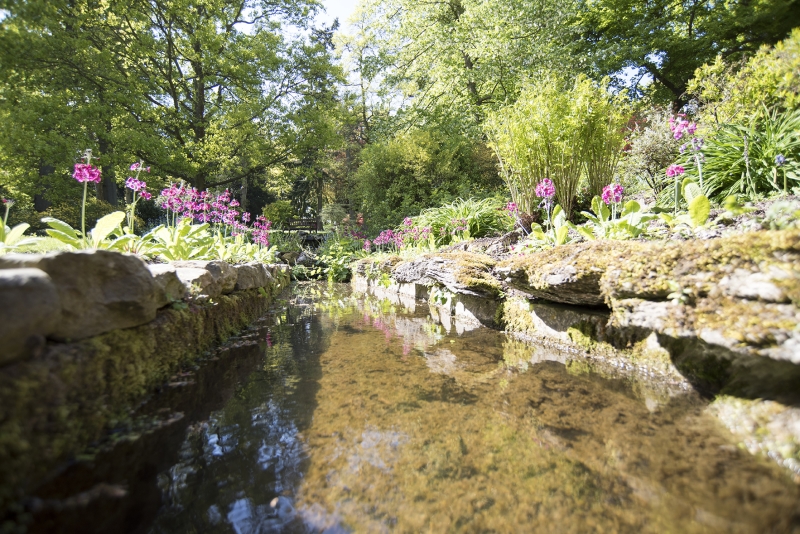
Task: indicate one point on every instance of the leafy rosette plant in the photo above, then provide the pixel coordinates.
(632, 222)
(107, 232)
(11, 238)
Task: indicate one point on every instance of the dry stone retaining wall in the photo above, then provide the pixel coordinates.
(722, 315)
(84, 335)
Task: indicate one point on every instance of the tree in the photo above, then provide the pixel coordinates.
(202, 91)
(451, 60)
(667, 40)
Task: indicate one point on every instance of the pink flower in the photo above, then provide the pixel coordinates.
(145, 195)
(545, 188)
(86, 173)
(612, 193)
(675, 170)
(135, 185)
(246, 217)
(367, 245)
(511, 207)
(407, 221)
(136, 165)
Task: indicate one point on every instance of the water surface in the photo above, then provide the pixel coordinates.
(343, 413)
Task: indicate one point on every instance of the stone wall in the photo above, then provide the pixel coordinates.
(721, 315)
(85, 335)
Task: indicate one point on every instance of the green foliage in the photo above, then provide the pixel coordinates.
(652, 149)
(465, 219)
(632, 222)
(279, 213)
(332, 216)
(184, 241)
(11, 238)
(729, 92)
(741, 158)
(557, 232)
(782, 214)
(418, 170)
(699, 207)
(458, 58)
(106, 234)
(333, 260)
(558, 130)
(666, 41)
(208, 93)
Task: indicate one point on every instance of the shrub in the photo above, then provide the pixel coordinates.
(728, 93)
(418, 170)
(751, 159)
(279, 212)
(652, 148)
(560, 131)
(464, 219)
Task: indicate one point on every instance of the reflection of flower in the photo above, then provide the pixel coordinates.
(612, 193)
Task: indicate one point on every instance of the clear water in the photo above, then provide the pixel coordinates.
(340, 413)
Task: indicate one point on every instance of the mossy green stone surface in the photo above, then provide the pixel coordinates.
(53, 406)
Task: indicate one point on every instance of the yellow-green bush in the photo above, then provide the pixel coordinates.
(730, 93)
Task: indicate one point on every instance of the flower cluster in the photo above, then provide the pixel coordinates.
(680, 126)
(697, 144)
(389, 237)
(545, 188)
(780, 159)
(260, 229)
(458, 225)
(612, 193)
(84, 172)
(675, 170)
(203, 206)
(511, 208)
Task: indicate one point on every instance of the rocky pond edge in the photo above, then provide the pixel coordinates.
(720, 317)
(86, 335)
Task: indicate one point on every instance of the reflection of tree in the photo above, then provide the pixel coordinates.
(250, 452)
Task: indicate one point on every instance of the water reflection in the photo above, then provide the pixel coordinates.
(359, 414)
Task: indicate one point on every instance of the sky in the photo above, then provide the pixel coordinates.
(337, 8)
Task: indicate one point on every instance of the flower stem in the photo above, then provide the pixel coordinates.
(83, 216)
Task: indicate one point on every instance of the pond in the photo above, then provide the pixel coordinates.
(344, 413)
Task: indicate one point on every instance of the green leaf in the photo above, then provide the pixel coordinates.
(16, 233)
(631, 206)
(699, 210)
(64, 238)
(61, 226)
(690, 190)
(561, 235)
(587, 233)
(105, 226)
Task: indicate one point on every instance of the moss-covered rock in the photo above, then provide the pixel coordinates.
(54, 405)
(568, 274)
(468, 273)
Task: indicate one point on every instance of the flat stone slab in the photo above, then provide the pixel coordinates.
(198, 282)
(568, 274)
(30, 310)
(252, 275)
(166, 277)
(99, 290)
(223, 272)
